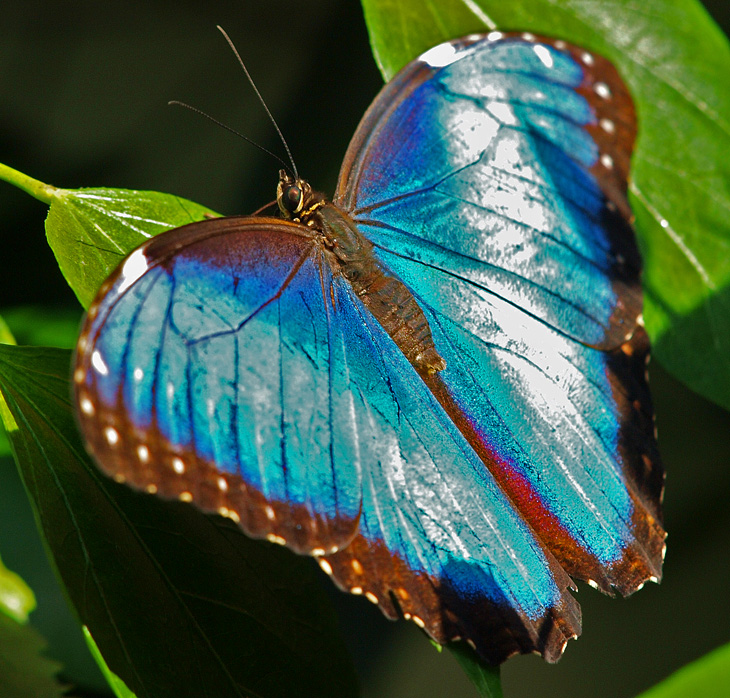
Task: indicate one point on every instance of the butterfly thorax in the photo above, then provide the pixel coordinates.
(351, 254)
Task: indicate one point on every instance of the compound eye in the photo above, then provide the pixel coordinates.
(292, 198)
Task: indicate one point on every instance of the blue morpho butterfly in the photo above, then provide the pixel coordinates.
(435, 384)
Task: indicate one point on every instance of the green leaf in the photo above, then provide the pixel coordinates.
(6, 336)
(179, 603)
(708, 677)
(24, 672)
(6, 419)
(484, 677)
(115, 683)
(16, 597)
(675, 60)
(4, 443)
(48, 327)
(91, 230)
(401, 30)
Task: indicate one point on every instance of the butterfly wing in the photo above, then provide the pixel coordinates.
(491, 176)
(225, 363)
(202, 373)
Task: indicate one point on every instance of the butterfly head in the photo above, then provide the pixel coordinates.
(296, 199)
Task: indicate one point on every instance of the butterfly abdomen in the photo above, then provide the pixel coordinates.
(385, 296)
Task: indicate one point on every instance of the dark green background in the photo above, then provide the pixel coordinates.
(83, 93)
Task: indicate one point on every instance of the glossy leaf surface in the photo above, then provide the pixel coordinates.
(91, 230)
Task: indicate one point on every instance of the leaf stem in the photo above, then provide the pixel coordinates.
(39, 190)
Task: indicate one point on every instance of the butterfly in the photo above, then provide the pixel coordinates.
(435, 383)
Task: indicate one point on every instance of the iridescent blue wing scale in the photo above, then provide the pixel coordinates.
(202, 375)
(226, 364)
(491, 177)
(438, 541)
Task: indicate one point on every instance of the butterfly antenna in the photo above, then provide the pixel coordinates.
(261, 99)
(227, 128)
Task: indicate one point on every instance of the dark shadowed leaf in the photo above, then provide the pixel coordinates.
(24, 672)
(485, 678)
(179, 603)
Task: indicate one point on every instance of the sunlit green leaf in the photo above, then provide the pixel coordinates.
(6, 336)
(676, 62)
(115, 683)
(6, 419)
(91, 230)
(708, 677)
(16, 597)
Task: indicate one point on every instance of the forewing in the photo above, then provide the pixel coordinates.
(486, 158)
(211, 369)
